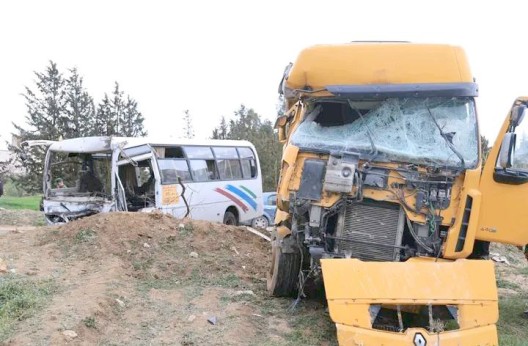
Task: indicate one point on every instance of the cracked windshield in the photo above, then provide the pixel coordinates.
(439, 131)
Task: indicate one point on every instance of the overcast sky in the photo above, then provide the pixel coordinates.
(211, 56)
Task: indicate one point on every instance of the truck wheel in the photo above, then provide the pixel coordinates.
(283, 275)
(230, 219)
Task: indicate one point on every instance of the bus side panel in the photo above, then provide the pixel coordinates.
(210, 200)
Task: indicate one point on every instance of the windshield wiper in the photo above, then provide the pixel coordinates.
(448, 137)
(374, 149)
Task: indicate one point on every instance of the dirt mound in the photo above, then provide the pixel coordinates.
(160, 246)
(147, 278)
(140, 278)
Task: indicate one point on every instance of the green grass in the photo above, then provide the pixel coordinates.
(523, 271)
(19, 299)
(507, 284)
(143, 263)
(309, 324)
(513, 326)
(85, 236)
(90, 322)
(30, 202)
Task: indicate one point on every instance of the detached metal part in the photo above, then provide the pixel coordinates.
(340, 172)
(65, 209)
(471, 300)
(312, 180)
(315, 216)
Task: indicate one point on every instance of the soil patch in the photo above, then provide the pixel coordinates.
(18, 217)
(147, 278)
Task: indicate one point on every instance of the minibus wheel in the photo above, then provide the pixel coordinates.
(230, 218)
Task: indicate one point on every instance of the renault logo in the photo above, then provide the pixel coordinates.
(419, 340)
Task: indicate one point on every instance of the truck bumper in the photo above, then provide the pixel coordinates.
(482, 336)
(356, 289)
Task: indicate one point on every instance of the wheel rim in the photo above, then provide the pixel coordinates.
(260, 222)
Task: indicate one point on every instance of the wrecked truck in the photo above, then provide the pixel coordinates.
(212, 180)
(384, 197)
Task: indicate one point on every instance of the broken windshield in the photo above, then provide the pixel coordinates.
(79, 174)
(402, 129)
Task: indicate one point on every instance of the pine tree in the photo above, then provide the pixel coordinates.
(132, 120)
(45, 106)
(118, 116)
(117, 106)
(105, 122)
(61, 108)
(46, 119)
(270, 152)
(222, 131)
(188, 126)
(248, 125)
(245, 125)
(79, 108)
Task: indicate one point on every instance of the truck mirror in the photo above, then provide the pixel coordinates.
(282, 135)
(280, 126)
(281, 121)
(517, 114)
(285, 75)
(506, 150)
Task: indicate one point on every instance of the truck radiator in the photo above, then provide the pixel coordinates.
(365, 229)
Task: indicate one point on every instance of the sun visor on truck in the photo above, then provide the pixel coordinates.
(383, 91)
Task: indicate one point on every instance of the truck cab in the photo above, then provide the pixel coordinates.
(383, 194)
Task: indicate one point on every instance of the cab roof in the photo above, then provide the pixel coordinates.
(378, 63)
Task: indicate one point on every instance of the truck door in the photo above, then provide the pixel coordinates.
(503, 214)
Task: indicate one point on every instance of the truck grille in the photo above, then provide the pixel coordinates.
(368, 227)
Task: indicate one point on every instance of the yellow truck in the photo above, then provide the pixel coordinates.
(383, 192)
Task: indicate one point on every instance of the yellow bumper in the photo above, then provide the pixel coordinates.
(483, 336)
(353, 286)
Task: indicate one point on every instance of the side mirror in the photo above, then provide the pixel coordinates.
(517, 114)
(285, 75)
(506, 150)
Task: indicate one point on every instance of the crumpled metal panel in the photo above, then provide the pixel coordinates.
(352, 285)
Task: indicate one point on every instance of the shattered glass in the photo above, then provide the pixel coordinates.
(402, 129)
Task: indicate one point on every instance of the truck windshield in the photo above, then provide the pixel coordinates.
(432, 131)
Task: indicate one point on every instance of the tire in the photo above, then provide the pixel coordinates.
(230, 219)
(283, 275)
(260, 222)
